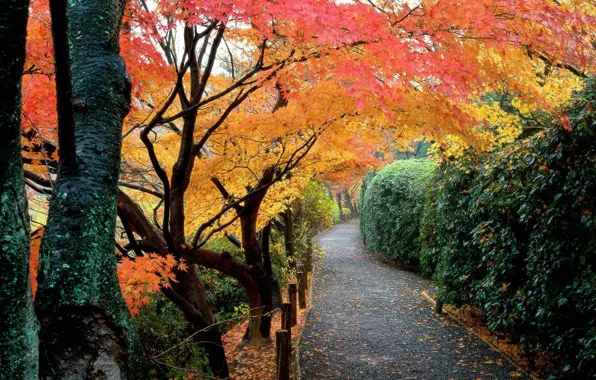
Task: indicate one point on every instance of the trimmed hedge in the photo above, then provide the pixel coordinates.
(391, 207)
(514, 233)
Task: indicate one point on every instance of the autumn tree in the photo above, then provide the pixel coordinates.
(402, 71)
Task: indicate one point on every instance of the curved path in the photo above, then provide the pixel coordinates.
(370, 322)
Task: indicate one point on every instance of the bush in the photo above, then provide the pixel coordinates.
(163, 332)
(391, 209)
(513, 232)
(314, 212)
(335, 214)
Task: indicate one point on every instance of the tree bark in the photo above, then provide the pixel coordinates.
(244, 274)
(191, 288)
(349, 203)
(188, 294)
(18, 327)
(289, 238)
(341, 211)
(259, 325)
(86, 329)
(273, 283)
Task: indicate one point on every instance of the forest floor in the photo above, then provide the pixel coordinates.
(369, 321)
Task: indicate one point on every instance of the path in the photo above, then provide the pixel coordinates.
(370, 322)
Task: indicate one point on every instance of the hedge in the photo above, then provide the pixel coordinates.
(511, 232)
(391, 207)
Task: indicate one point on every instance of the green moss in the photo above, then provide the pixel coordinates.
(18, 327)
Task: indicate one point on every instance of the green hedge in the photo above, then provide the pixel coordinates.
(512, 232)
(391, 206)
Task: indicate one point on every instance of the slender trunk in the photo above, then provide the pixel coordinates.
(260, 322)
(86, 329)
(188, 294)
(245, 275)
(18, 329)
(349, 203)
(341, 211)
(191, 288)
(273, 283)
(289, 238)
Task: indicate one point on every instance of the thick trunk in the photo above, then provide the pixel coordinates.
(273, 283)
(289, 238)
(86, 329)
(18, 327)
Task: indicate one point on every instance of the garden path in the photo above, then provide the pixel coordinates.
(369, 321)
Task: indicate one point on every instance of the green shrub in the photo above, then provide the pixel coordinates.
(513, 232)
(164, 332)
(335, 214)
(315, 211)
(391, 209)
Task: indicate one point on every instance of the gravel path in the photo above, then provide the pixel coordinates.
(370, 322)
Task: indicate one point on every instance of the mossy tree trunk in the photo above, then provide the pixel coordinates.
(86, 329)
(18, 327)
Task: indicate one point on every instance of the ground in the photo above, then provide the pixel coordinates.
(369, 322)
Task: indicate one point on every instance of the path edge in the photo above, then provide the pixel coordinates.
(433, 302)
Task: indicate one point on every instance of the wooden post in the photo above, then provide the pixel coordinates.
(286, 318)
(302, 290)
(292, 290)
(282, 342)
(439, 307)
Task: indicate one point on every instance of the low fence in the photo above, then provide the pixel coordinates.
(286, 367)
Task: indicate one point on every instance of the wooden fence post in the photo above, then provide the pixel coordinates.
(286, 318)
(302, 290)
(292, 290)
(282, 342)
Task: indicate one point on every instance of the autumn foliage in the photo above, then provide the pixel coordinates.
(237, 106)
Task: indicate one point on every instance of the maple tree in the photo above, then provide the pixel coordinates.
(238, 105)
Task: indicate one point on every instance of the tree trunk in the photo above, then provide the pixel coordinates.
(259, 325)
(245, 275)
(289, 238)
(273, 283)
(190, 287)
(18, 327)
(349, 203)
(341, 211)
(86, 329)
(188, 294)
(260, 318)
